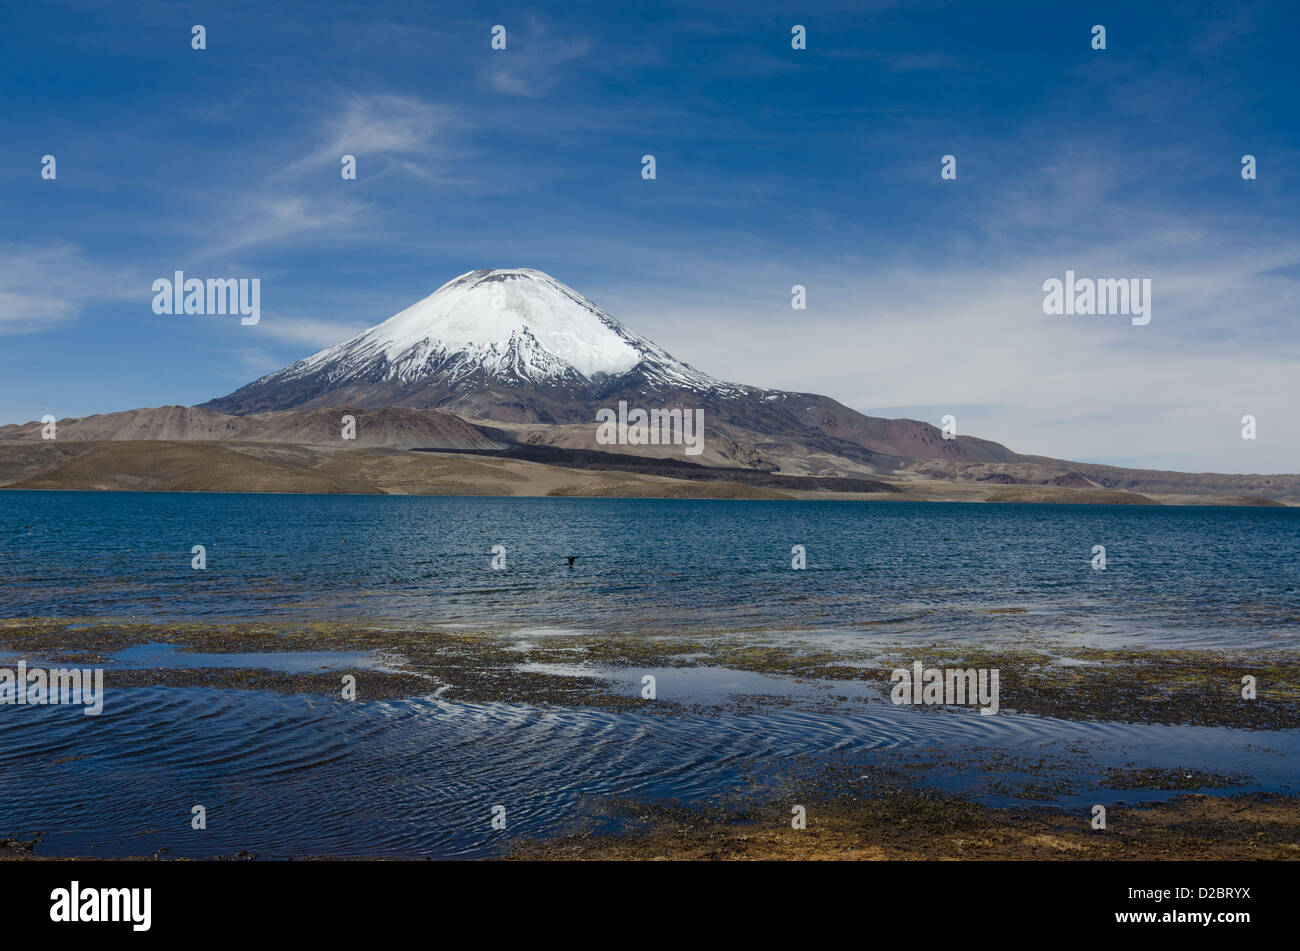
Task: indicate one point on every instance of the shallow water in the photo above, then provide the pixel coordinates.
(155, 656)
(292, 775)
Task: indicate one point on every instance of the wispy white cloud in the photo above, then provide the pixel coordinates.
(42, 287)
(269, 218)
(382, 124)
(529, 65)
(311, 332)
(252, 362)
(406, 134)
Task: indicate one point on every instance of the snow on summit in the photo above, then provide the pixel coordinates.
(511, 322)
(484, 309)
(513, 328)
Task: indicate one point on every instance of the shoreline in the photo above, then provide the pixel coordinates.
(1200, 687)
(220, 466)
(875, 822)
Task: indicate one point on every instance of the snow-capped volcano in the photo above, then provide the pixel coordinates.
(510, 327)
(514, 345)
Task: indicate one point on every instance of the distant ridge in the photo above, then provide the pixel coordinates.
(391, 427)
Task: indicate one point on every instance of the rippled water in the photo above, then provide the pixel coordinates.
(303, 775)
(291, 776)
(1176, 576)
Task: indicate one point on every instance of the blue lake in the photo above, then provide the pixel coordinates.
(294, 775)
(1175, 576)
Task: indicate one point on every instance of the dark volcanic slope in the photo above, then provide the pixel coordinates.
(774, 420)
(589, 459)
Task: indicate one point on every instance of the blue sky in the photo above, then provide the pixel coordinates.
(775, 167)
